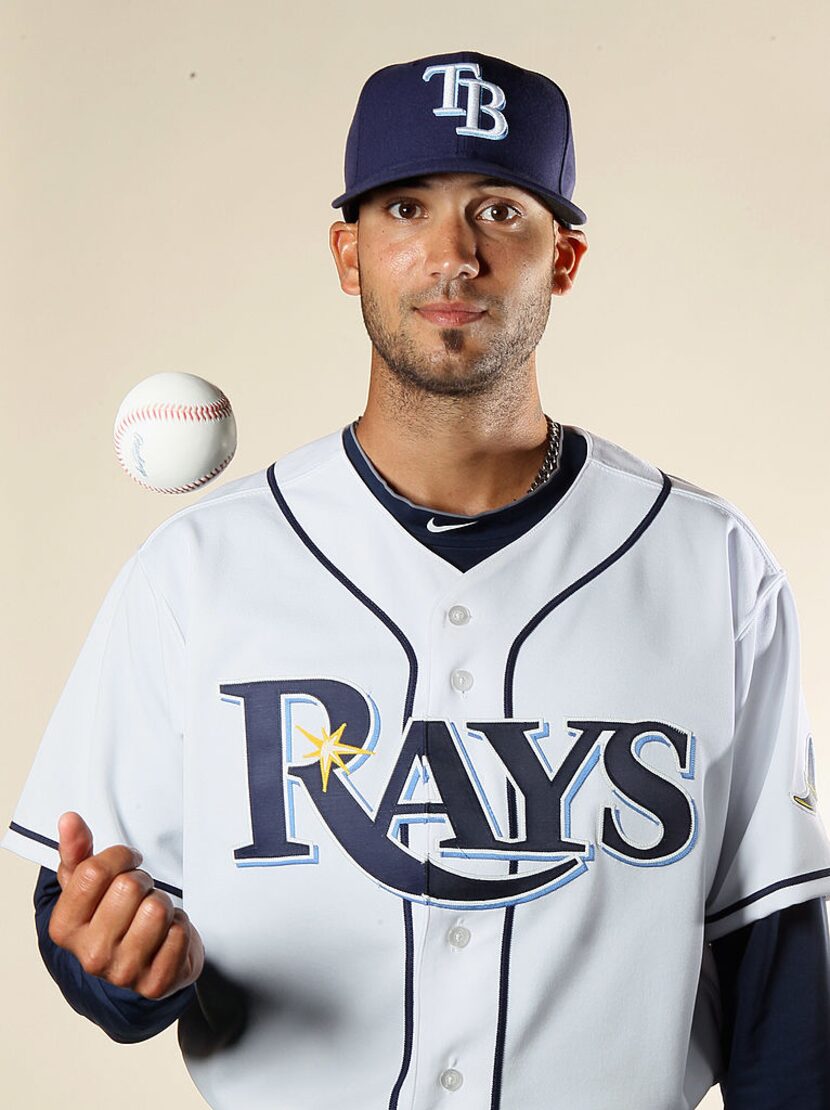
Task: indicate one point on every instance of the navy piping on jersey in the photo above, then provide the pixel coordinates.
(39, 837)
(504, 962)
(572, 589)
(501, 1017)
(408, 991)
(509, 675)
(21, 831)
(373, 607)
(750, 898)
(478, 536)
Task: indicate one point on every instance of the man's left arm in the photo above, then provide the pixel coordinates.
(775, 991)
(765, 913)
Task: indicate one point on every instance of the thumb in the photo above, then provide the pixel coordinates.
(75, 844)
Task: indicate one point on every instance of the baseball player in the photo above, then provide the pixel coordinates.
(459, 758)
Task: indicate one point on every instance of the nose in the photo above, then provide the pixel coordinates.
(451, 247)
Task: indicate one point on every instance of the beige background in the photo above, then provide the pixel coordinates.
(165, 205)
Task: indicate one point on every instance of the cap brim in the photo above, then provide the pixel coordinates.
(564, 209)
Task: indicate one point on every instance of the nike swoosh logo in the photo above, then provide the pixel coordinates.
(433, 527)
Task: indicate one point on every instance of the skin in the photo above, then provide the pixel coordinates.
(453, 418)
(453, 421)
(118, 926)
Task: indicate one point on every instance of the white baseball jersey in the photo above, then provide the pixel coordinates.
(458, 838)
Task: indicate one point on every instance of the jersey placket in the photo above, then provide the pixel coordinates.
(458, 956)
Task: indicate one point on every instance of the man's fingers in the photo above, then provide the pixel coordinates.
(74, 844)
(177, 963)
(85, 888)
(133, 955)
(114, 914)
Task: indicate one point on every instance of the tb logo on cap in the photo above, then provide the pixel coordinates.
(453, 81)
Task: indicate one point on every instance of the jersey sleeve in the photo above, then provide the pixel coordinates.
(124, 1015)
(112, 750)
(775, 850)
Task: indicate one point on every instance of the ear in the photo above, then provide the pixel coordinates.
(343, 245)
(569, 249)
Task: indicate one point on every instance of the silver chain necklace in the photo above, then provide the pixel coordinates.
(551, 459)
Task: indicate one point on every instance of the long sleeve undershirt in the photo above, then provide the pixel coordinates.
(775, 993)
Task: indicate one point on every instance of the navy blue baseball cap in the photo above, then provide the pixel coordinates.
(462, 113)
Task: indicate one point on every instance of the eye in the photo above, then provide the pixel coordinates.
(402, 204)
(500, 205)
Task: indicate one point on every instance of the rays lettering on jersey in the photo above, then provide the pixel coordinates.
(453, 83)
(502, 792)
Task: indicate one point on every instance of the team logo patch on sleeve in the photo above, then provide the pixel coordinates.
(808, 799)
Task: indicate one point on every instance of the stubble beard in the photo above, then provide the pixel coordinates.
(459, 374)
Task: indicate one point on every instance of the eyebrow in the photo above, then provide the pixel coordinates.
(424, 183)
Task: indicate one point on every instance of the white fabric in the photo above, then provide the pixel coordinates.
(612, 994)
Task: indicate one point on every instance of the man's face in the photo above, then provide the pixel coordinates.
(463, 240)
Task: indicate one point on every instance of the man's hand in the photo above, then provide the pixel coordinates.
(120, 928)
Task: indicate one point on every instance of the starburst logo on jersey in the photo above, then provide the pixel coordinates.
(328, 750)
(809, 799)
(459, 814)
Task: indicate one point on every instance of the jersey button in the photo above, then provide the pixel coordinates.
(461, 681)
(451, 1079)
(459, 936)
(459, 614)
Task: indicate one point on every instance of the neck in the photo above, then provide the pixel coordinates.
(464, 455)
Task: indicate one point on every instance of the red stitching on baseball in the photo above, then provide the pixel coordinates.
(215, 410)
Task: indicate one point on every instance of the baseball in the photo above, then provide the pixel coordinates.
(174, 432)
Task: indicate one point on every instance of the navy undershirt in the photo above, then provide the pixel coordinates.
(467, 540)
(774, 974)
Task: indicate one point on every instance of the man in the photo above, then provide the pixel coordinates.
(473, 745)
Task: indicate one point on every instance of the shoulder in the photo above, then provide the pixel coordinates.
(232, 498)
(233, 514)
(709, 525)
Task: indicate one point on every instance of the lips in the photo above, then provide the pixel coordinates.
(450, 314)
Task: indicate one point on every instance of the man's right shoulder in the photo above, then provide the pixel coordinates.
(229, 512)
